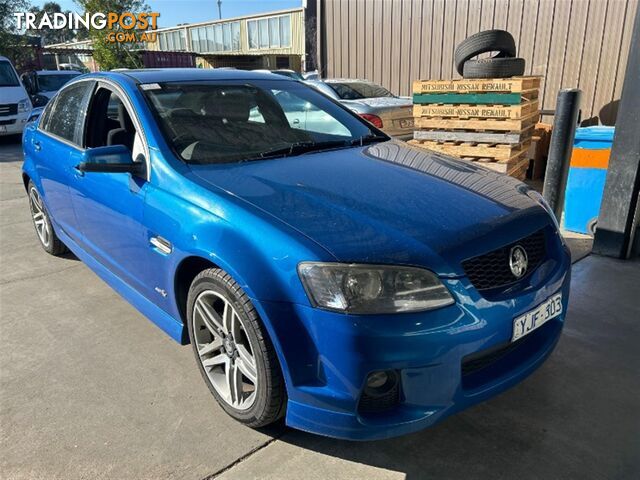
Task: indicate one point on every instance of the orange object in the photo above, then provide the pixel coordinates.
(587, 158)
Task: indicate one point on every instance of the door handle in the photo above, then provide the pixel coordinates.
(37, 146)
(161, 244)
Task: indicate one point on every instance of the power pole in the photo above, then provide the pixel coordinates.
(220, 9)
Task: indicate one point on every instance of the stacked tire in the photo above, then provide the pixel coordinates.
(503, 65)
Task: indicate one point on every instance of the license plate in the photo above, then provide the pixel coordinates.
(405, 123)
(527, 323)
(3, 128)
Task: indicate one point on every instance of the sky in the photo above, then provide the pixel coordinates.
(173, 12)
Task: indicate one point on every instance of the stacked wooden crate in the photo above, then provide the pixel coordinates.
(490, 121)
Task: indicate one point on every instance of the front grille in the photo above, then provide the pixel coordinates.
(8, 109)
(492, 269)
(8, 122)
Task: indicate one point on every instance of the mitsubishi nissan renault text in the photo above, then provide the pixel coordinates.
(358, 286)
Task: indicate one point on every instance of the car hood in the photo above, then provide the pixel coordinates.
(386, 203)
(13, 94)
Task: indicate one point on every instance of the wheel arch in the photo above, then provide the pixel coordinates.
(187, 270)
(183, 277)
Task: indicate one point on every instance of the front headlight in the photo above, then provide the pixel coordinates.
(372, 289)
(24, 105)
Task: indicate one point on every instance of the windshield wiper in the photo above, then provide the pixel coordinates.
(299, 148)
(370, 138)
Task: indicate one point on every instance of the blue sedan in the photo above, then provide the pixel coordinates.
(322, 272)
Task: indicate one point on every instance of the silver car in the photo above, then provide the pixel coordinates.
(392, 114)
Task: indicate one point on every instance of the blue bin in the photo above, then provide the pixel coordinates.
(587, 174)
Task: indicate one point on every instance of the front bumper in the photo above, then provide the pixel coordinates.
(13, 125)
(327, 356)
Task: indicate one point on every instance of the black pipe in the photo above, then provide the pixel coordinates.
(560, 148)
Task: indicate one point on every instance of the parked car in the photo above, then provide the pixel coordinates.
(313, 75)
(43, 84)
(73, 66)
(15, 105)
(284, 72)
(374, 103)
(358, 286)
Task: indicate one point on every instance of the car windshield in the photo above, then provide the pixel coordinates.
(8, 77)
(233, 121)
(359, 90)
(52, 83)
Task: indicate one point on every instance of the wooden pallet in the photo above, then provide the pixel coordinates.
(512, 138)
(510, 85)
(476, 98)
(476, 111)
(494, 151)
(516, 167)
(477, 124)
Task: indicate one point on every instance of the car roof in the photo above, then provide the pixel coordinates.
(153, 75)
(344, 80)
(57, 72)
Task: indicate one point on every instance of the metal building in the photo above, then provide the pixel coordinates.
(572, 43)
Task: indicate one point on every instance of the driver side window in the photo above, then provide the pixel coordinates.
(110, 123)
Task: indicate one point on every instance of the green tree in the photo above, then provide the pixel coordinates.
(50, 35)
(13, 43)
(110, 55)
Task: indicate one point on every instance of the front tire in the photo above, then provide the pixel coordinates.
(42, 223)
(233, 351)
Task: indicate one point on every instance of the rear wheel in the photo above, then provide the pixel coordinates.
(42, 223)
(233, 352)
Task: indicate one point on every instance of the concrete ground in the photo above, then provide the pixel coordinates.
(89, 389)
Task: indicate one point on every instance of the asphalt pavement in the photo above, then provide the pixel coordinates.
(90, 389)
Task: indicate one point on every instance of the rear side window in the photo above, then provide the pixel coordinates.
(66, 117)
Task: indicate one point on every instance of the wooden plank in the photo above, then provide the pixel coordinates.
(502, 125)
(512, 138)
(475, 98)
(516, 167)
(506, 85)
(475, 111)
(497, 152)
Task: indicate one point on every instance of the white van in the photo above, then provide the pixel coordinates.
(15, 106)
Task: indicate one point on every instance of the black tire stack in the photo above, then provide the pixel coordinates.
(503, 65)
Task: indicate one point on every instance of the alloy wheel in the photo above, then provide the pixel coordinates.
(39, 215)
(224, 350)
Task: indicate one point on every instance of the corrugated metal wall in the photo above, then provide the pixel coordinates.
(572, 43)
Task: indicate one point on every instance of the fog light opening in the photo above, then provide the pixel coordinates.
(381, 382)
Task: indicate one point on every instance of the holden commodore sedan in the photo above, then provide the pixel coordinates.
(322, 272)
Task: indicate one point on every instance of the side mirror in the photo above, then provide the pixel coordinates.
(39, 100)
(112, 159)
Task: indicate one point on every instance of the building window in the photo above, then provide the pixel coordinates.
(221, 37)
(235, 36)
(226, 36)
(252, 28)
(273, 32)
(171, 40)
